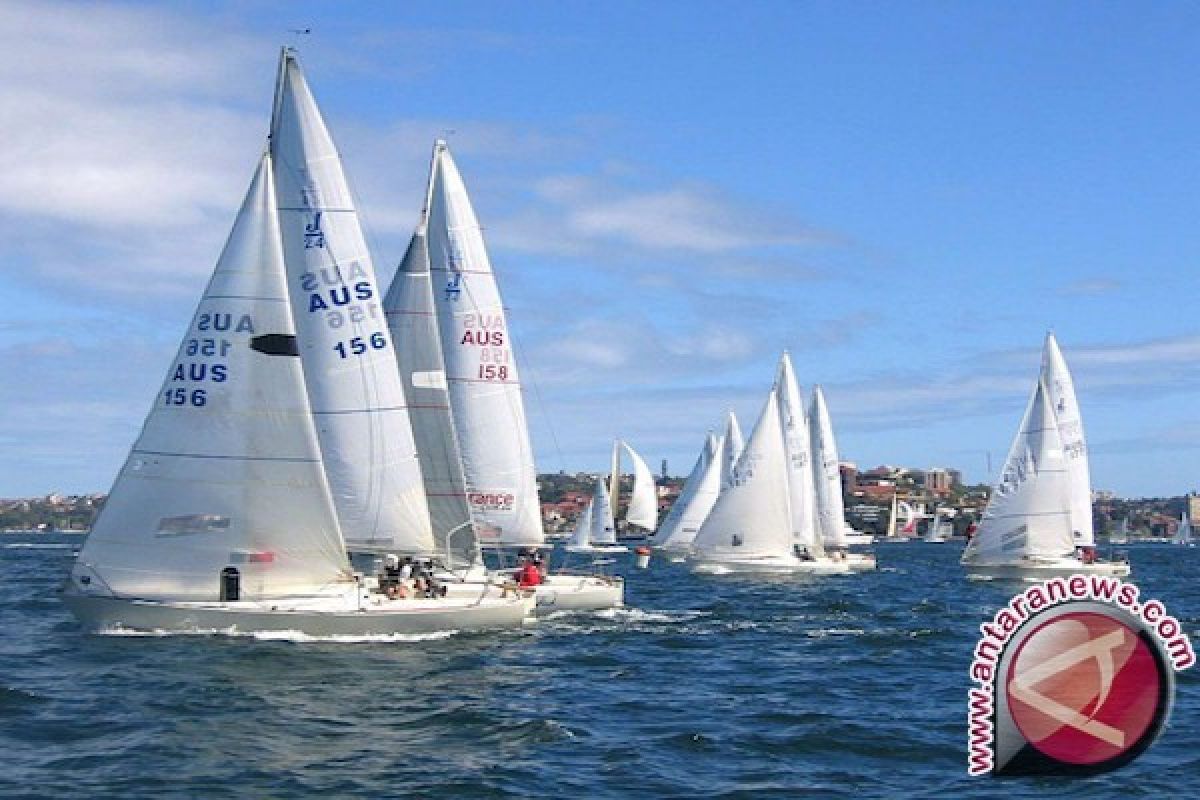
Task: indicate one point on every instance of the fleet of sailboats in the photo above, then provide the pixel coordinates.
(306, 419)
(280, 437)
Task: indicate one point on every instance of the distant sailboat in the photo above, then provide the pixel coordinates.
(594, 532)
(940, 528)
(642, 510)
(1028, 528)
(1121, 535)
(459, 369)
(831, 509)
(695, 500)
(280, 434)
(1183, 532)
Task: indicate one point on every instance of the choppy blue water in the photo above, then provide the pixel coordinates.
(713, 687)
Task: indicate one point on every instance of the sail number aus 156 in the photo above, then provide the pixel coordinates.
(358, 345)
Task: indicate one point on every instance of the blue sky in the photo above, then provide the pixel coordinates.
(906, 196)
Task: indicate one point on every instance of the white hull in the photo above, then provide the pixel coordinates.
(597, 548)
(579, 593)
(338, 616)
(859, 538)
(1041, 569)
(768, 564)
(861, 562)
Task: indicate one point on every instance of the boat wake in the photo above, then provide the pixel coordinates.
(39, 546)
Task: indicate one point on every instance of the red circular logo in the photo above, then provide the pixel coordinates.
(1084, 688)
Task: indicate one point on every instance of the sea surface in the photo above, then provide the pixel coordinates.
(706, 687)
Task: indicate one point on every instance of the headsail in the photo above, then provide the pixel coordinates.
(831, 510)
(798, 446)
(227, 470)
(734, 443)
(752, 517)
(582, 535)
(480, 368)
(696, 499)
(1183, 532)
(1029, 512)
(354, 388)
(602, 516)
(643, 504)
(410, 314)
(1061, 394)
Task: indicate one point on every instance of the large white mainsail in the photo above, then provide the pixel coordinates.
(1061, 394)
(1029, 511)
(643, 503)
(752, 518)
(603, 532)
(734, 444)
(354, 388)
(227, 470)
(695, 500)
(831, 511)
(410, 314)
(480, 368)
(798, 446)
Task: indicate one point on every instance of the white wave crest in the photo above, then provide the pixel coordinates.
(38, 546)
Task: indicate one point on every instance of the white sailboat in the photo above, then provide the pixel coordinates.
(750, 527)
(599, 535)
(695, 501)
(807, 541)
(458, 365)
(1121, 536)
(255, 467)
(1183, 531)
(1027, 529)
(831, 510)
(940, 528)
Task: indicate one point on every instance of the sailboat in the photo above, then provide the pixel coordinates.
(642, 511)
(695, 501)
(750, 526)
(808, 543)
(1030, 527)
(734, 442)
(280, 435)
(594, 531)
(1183, 532)
(458, 366)
(940, 528)
(831, 511)
(1121, 535)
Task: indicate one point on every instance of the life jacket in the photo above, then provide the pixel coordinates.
(529, 576)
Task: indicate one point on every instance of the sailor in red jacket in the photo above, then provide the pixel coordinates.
(529, 575)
